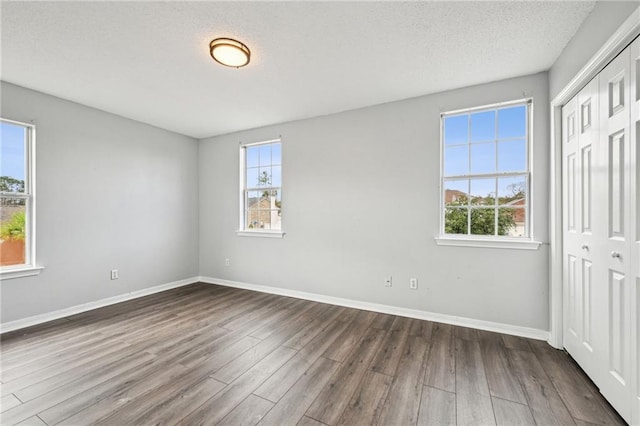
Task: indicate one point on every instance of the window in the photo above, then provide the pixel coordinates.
(261, 183)
(486, 179)
(17, 247)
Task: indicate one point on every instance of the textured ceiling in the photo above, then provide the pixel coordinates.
(149, 61)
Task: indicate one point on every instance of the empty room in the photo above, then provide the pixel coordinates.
(319, 213)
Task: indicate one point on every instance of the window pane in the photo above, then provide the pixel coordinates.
(278, 210)
(512, 122)
(264, 176)
(456, 192)
(276, 219)
(265, 154)
(483, 158)
(256, 202)
(456, 220)
(12, 157)
(512, 190)
(483, 221)
(252, 153)
(252, 177)
(276, 154)
(483, 192)
(512, 222)
(456, 160)
(250, 221)
(252, 198)
(262, 205)
(512, 156)
(12, 231)
(263, 211)
(456, 130)
(276, 176)
(483, 126)
(491, 145)
(265, 217)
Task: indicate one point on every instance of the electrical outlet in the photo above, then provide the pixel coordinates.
(413, 283)
(227, 262)
(114, 274)
(388, 281)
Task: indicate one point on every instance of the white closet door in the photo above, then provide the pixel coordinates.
(601, 230)
(634, 92)
(579, 138)
(612, 295)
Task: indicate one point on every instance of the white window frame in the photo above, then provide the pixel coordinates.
(29, 268)
(242, 230)
(490, 241)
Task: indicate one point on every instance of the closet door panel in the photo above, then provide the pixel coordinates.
(601, 231)
(634, 130)
(571, 219)
(616, 180)
(580, 137)
(614, 293)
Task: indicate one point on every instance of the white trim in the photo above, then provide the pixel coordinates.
(50, 316)
(263, 234)
(32, 184)
(488, 243)
(527, 174)
(625, 34)
(485, 175)
(29, 268)
(243, 231)
(23, 271)
(489, 107)
(246, 144)
(555, 231)
(18, 123)
(514, 330)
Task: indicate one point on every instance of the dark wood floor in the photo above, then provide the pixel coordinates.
(205, 354)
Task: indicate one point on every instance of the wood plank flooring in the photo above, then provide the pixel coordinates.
(205, 354)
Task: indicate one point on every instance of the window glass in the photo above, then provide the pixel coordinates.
(456, 130)
(483, 126)
(16, 197)
(485, 173)
(456, 160)
(262, 191)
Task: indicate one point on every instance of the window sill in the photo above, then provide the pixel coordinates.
(262, 234)
(488, 243)
(20, 272)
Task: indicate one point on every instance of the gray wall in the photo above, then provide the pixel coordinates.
(111, 193)
(604, 20)
(360, 202)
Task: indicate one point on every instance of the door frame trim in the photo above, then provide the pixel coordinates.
(629, 30)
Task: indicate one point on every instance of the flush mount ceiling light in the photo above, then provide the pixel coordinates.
(229, 52)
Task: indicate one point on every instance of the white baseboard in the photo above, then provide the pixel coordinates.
(50, 316)
(350, 303)
(515, 330)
